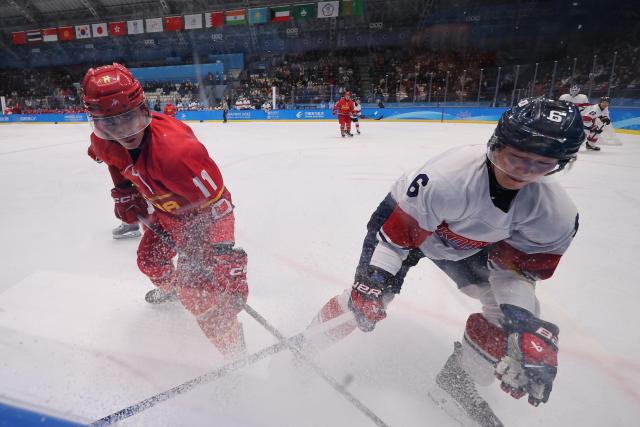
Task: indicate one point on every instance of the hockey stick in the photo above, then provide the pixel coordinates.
(220, 372)
(335, 384)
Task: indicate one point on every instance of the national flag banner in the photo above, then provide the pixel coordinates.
(117, 29)
(280, 13)
(258, 15)
(328, 9)
(235, 17)
(154, 25)
(173, 23)
(19, 37)
(34, 36)
(50, 35)
(66, 34)
(214, 19)
(304, 11)
(352, 7)
(100, 30)
(83, 31)
(135, 27)
(193, 22)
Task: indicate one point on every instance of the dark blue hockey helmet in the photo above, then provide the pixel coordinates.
(541, 126)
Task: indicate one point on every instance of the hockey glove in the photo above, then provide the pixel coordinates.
(605, 120)
(531, 359)
(129, 203)
(369, 297)
(229, 268)
(596, 129)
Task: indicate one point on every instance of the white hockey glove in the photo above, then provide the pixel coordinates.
(531, 360)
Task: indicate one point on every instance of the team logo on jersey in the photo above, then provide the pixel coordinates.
(457, 241)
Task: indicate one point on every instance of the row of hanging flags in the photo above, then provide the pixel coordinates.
(259, 15)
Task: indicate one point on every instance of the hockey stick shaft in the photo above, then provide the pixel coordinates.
(220, 372)
(335, 384)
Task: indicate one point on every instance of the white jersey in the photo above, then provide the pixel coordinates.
(580, 99)
(593, 115)
(445, 209)
(357, 108)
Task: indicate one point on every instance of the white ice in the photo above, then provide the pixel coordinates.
(77, 338)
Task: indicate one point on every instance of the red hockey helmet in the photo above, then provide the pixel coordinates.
(115, 102)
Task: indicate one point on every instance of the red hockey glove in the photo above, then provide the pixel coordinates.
(370, 296)
(229, 267)
(531, 360)
(128, 204)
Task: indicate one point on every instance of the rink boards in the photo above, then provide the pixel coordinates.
(625, 119)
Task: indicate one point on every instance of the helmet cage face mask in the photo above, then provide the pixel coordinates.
(574, 90)
(122, 126)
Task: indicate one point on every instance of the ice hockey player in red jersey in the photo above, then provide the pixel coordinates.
(345, 109)
(490, 218)
(156, 159)
(170, 109)
(595, 118)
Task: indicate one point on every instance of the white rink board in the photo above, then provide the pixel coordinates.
(77, 338)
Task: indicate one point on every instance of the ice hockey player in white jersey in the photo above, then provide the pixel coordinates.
(574, 96)
(595, 118)
(490, 218)
(357, 113)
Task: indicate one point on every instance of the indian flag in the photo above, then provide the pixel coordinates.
(235, 17)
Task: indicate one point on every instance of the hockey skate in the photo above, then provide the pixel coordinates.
(349, 134)
(592, 147)
(156, 296)
(459, 385)
(126, 231)
(358, 130)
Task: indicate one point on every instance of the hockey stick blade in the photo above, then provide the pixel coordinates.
(379, 118)
(220, 372)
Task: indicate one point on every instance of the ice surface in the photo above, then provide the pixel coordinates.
(77, 338)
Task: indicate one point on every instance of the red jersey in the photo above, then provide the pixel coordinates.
(173, 171)
(344, 107)
(170, 110)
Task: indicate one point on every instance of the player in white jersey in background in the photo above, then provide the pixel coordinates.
(574, 96)
(595, 118)
(357, 113)
(488, 217)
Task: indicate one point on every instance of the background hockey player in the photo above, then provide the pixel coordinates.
(357, 113)
(124, 230)
(595, 118)
(486, 218)
(156, 158)
(574, 96)
(345, 109)
(170, 109)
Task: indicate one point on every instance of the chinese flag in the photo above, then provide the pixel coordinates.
(117, 29)
(19, 37)
(173, 23)
(66, 34)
